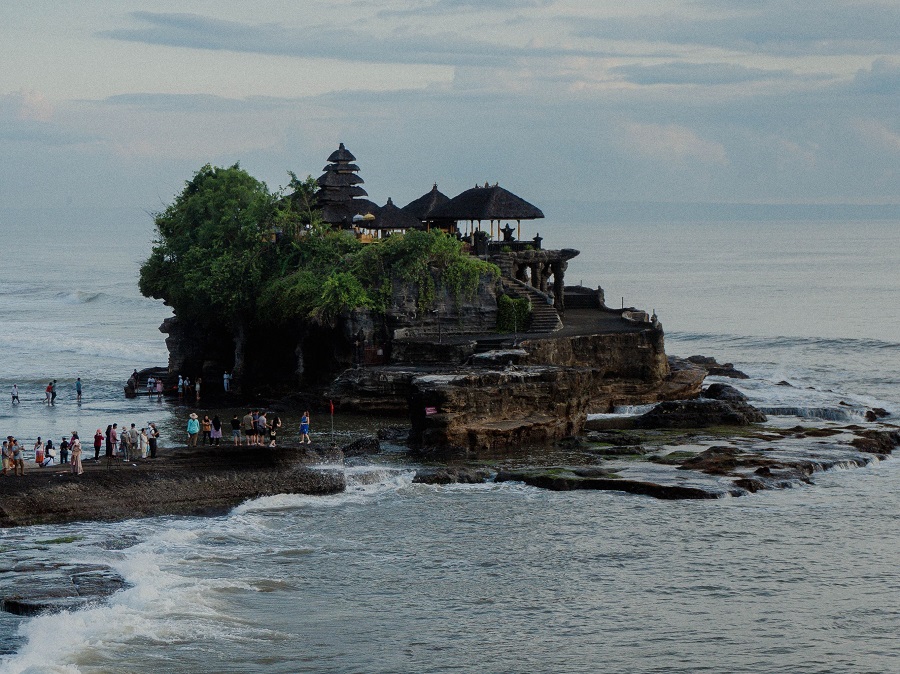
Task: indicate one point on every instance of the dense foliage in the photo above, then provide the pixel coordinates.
(512, 314)
(228, 249)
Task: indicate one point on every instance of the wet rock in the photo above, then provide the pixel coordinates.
(877, 442)
(723, 392)
(880, 412)
(626, 450)
(452, 475)
(593, 478)
(713, 461)
(700, 413)
(395, 434)
(31, 588)
(785, 383)
(871, 416)
(363, 446)
(716, 369)
(617, 438)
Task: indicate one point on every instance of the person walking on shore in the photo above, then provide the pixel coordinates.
(197, 389)
(159, 389)
(304, 428)
(47, 393)
(274, 425)
(77, 468)
(15, 394)
(78, 389)
(193, 429)
(180, 386)
(53, 392)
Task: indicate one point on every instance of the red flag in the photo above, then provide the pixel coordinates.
(331, 404)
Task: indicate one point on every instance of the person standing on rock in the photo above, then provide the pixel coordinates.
(7, 457)
(193, 430)
(304, 428)
(262, 429)
(98, 443)
(235, 430)
(197, 389)
(206, 429)
(226, 382)
(159, 389)
(152, 438)
(274, 425)
(215, 433)
(18, 456)
(249, 428)
(77, 468)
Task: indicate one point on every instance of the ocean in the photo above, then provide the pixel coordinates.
(393, 576)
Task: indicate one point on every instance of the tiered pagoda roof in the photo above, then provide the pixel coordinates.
(339, 189)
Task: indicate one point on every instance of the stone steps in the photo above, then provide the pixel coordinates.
(544, 318)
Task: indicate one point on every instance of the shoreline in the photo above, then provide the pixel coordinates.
(182, 481)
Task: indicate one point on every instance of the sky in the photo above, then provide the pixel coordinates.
(572, 104)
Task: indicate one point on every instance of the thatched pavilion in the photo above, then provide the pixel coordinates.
(424, 207)
(388, 219)
(490, 203)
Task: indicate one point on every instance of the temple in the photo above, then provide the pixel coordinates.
(475, 216)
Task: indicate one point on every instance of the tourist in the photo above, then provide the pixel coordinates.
(98, 442)
(180, 386)
(78, 389)
(143, 444)
(63, 448)
(249, 428)
(236, 429)
(7, 457)
(197, 389)
(152, 438)
(114, 439)
(215, 433)
(304, 428)
(262, 429)
(53, 392)
(18, 457)
(226, 382)
(39, 451)
(50, 453)
(132, 436)
(151, 386)
(15, 394)
(47, 392)
(193, 429)
(159, 389)
(274, 425)
(187, 385)
(77, 469)
(205, 429)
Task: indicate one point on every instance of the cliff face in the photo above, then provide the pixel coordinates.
(567, 378)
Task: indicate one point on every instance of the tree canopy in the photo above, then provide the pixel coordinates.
(229, 249)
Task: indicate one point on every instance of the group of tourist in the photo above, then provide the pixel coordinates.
(49, 393)
(45, 454)
(127, 443)
(257, 428)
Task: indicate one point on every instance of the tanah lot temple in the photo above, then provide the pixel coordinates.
(522, 262)
(464, 386)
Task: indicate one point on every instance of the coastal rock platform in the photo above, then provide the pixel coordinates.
(181, 481)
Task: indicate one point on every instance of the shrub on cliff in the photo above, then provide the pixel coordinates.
(512, 314)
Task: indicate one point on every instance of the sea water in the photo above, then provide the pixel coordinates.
(393, 576)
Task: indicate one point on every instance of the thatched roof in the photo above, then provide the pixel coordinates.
(333, 179)
(487, 203)
(423, 207)
(390, 216)
(341, 168)
(341, 154)
(342, 213)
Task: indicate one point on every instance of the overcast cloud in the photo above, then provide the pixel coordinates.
(565, 102)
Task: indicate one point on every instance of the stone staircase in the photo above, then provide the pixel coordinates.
(544, 318)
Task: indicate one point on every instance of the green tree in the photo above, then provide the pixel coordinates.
(213, 252)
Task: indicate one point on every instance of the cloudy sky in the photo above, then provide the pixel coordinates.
(562, 101)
